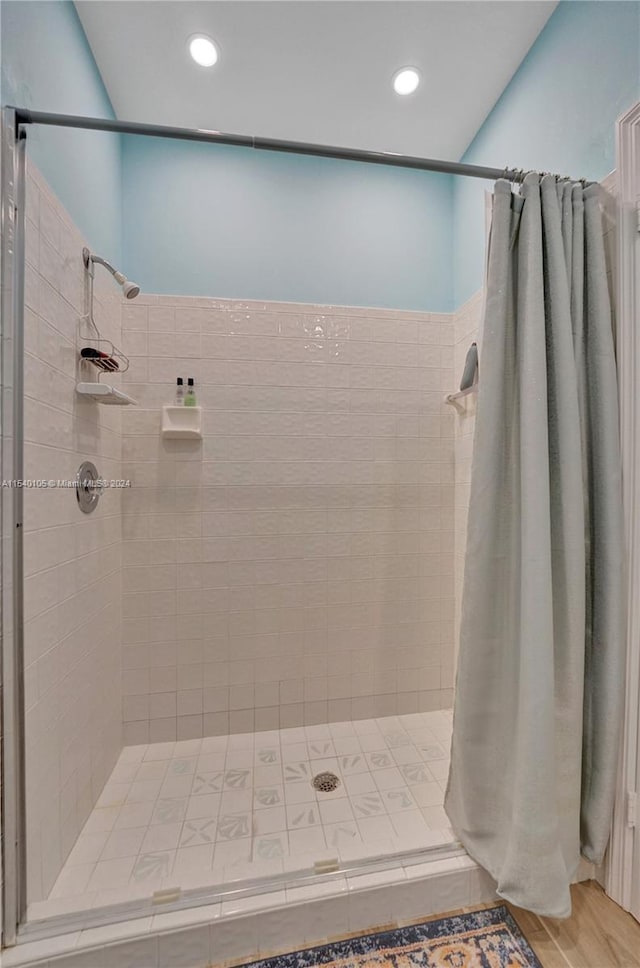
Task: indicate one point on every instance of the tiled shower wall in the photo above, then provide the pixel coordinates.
(72, 561)
(296, 565)
(467, 330)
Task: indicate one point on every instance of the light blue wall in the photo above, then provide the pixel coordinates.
(204, 220)
(216, 220)
(47, 65)
(557, 114)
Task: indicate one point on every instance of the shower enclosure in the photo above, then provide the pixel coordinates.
(233, 676)
(237, 664)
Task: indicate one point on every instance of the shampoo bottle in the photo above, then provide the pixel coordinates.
(190, 396)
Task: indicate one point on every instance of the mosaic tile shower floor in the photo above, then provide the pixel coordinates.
(209, 811)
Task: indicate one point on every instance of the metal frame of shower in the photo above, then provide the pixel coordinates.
(15, 123)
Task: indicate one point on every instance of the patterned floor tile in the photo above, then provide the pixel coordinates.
(415, 773)
(398, 799)
(238, 779)
(267, 756)
(271, 847)
(353, 763)
(342, 834)
(167, 811)
(380, 760)
(268, 796)
(229, 807)
(196, 832)
(303, 815)
(397, 738)
(432, 751)
(321, 749)
(207, 783)
(234, 826)
(182, 766)
(296, 772)
(368, 805)
(153, 866)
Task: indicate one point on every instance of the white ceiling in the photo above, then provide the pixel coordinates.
(315, 71)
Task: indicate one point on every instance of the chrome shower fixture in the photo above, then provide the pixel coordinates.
(130, 289)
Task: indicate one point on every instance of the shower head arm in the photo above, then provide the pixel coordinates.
(129, 288)
(90, 259)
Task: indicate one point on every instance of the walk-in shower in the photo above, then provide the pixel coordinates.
(236, 675)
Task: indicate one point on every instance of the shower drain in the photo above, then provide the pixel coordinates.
(325, 782)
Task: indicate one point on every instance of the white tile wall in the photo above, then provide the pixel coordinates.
(72, 561)
(467, 330)
(296, 566)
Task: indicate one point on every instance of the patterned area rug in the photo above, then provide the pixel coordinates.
(481, 939)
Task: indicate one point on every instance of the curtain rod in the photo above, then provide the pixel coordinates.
(25, 116)
(390, 158)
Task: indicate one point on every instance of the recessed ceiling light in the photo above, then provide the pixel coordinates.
(406, 80)
(203, 50)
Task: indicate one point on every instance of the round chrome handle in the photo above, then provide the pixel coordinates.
(89, 487)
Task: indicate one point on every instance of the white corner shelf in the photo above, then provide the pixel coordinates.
(104, 393)
(182, 422)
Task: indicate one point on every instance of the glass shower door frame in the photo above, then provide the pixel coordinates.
(13, 154)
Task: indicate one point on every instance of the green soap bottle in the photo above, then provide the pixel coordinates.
(190, 395)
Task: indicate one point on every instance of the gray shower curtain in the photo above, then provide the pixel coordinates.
(539, 681)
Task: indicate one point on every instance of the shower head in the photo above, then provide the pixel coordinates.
(130, 289)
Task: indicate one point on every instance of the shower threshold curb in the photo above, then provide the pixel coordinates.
(269, 923)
